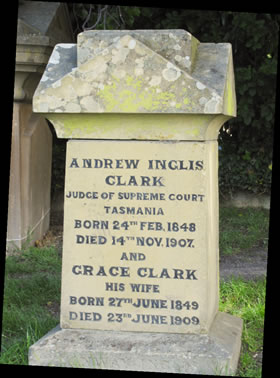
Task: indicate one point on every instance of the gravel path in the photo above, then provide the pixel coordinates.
(246, 264)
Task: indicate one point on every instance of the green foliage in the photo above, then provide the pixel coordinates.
(246, 154)
(246, 141)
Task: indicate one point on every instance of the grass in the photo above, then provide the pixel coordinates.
(243, 229)
(246, 299)
(32, 293)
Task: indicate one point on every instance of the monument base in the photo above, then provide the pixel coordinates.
(214, 353)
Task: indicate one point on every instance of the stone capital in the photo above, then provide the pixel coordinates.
(150, 71)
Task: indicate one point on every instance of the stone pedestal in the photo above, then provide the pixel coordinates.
(216, 353)
(40, 26)
(30, 177)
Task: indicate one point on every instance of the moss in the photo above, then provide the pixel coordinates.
(128, 126)
(131, 96)
(194, 45)
(229, 99)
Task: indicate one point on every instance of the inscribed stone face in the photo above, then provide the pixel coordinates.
(136, 251)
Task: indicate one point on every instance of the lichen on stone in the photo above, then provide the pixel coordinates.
(156, 71)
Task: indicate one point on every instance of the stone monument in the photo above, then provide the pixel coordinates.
(41, 25)
(140, 277)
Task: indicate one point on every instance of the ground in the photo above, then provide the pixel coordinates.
(246, 264)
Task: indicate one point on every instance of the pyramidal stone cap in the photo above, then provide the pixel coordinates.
(139, 71)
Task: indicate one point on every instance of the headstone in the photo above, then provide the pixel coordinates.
(140, 276)
(40, 26)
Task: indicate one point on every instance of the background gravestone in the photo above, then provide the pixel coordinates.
(40, 26)
(140, 244)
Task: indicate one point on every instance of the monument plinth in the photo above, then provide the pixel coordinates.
(142, 111)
